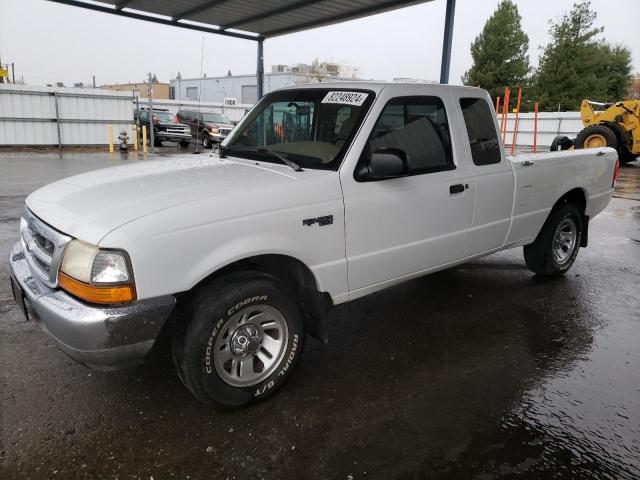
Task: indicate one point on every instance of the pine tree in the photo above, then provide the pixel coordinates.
(576, 64)
(499, 52)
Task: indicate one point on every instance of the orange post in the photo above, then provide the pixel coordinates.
(535, 126)
(505, 110)
(515, 125)
(497, 105)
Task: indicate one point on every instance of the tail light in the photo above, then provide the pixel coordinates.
(616, 173)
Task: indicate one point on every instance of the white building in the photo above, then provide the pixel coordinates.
(243, 88)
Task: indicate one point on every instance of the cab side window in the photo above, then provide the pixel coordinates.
(483, 138)
(419, 127)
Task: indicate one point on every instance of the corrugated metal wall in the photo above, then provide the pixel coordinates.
(66, 116)
(28, 117)
(550, 124)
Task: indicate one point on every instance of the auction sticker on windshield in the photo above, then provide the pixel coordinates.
(346, 98)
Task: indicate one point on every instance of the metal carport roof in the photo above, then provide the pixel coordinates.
(258, 19)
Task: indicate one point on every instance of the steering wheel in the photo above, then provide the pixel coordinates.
(337, 138)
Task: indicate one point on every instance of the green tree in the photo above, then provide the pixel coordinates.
(576, 64)
(617, 70)
(499, 52)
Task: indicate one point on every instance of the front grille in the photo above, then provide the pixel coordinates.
(178, 130)
(225, 131)
(43, 247)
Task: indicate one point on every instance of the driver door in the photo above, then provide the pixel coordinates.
(402, 227)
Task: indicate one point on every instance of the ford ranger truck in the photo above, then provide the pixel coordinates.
(320, 195)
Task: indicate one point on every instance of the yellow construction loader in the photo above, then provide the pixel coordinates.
(617, 126)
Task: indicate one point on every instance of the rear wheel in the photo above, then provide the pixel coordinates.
(604, 136)
(244, 336)
(556, 246)
(596, 136)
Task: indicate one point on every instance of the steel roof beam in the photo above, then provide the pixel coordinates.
(161, 21)
(122, 3)
(342, 17)
(271, 13)
(197, 9)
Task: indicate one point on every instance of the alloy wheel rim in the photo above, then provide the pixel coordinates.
(564, 241)
(595, 141)
(251, 345)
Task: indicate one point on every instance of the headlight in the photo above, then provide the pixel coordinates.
(96, 275)
(215, 130)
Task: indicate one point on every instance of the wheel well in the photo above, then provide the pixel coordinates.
(295, 274)
(575, 197)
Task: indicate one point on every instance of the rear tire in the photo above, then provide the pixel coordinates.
(561, 142)
(243, 338)
(597, 136)
(556, 246)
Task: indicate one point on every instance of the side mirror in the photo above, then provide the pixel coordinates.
(385, 163)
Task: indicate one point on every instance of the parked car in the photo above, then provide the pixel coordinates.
(322, 194)
(166, 127)
(208, 127)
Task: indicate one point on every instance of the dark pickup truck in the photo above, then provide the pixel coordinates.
(166, 127)
(208, 127)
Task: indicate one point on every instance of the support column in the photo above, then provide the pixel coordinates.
(446, 42)
(260, 69)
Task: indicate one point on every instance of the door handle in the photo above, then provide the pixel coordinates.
(457, 188)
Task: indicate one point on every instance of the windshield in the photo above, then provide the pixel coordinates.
(312, 127)
(215, 118)
(164, 117)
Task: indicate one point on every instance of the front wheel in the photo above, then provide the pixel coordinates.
(206, 141)
(184, 143)
(243, 339)
(556, 246)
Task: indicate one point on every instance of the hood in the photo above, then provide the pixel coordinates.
(172, 124)
(90, 205)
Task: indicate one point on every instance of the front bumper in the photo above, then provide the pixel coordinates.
(101, 337)
(217, 137)
(173, 137)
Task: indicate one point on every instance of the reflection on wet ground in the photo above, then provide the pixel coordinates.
(483, 371)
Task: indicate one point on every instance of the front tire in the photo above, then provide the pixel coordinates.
(184, 143)
(206, 141)
(556, 246)
(245, 335)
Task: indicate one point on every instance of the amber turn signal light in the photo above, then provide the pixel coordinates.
(97, 294)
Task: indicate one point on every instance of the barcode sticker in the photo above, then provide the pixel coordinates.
(346, 98)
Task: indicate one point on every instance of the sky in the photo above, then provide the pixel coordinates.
(51, 42)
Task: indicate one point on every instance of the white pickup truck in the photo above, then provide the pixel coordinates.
(320, 195)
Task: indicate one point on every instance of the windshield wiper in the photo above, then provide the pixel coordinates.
(281, 157)
(224, 151)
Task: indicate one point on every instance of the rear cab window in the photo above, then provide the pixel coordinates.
(483, 138)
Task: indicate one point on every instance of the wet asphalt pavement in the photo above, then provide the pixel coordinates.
(483, 371)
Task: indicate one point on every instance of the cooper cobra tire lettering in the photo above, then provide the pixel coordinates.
(246, 301)
(291, 356)
(207, 358)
